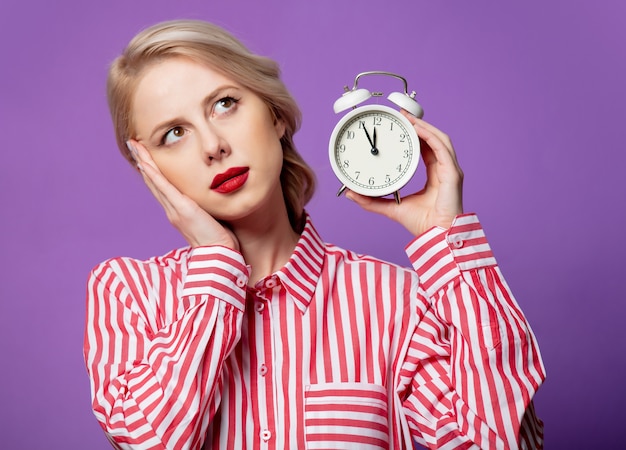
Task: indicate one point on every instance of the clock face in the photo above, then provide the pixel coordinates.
(374, 150)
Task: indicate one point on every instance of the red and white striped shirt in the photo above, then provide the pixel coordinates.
(335, 350)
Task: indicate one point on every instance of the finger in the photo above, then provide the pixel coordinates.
(438, 154)
(174, 202)
(160, 182)
(430, 127)
(171, 211)
(142, 154)
(446, 166)
(426, 152)
(178, 207)
(435, 134)
(430, 161)
(439, 149)
(428, 156)
(150, 173)
(443, 137)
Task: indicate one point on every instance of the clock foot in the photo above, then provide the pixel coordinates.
(342, 189)
(396, 195)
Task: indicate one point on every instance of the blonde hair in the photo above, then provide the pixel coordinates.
(209, 44)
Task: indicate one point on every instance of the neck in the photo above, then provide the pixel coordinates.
(266, 242)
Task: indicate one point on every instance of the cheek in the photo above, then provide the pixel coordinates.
(177, 171)
(272, 154)
(272, 145)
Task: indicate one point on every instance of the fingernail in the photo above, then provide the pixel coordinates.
(140, 167)
(131, 148)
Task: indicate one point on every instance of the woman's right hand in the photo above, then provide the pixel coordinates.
(197, 226)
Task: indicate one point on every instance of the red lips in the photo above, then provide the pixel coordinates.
(231, 180)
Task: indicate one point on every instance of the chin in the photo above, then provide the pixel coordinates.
(236, 209)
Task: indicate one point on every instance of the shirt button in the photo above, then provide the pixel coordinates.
(260, 306)
(263, 370)
(270, 283)
(241, 282)
(266, 435)
(457, 241)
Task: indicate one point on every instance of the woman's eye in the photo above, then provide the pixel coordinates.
(173, 135)
(225, 104)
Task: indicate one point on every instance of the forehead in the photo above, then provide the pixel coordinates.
(176, 75)
(171, 87)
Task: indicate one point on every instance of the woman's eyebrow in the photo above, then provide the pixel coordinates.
(170, 123)
(208, 100)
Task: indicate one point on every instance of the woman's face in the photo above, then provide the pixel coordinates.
(213, 139)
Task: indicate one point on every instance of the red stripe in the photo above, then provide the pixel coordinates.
(286, 366)
(366, 392)
(384, 325)
(341, 307)
(427, 247)
(369, 424)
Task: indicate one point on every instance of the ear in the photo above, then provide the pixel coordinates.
(279, 125)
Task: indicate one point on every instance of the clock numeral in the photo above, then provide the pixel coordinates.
(377, 120)
(403, 138)
(357, 173)
(399, 168)
(350, 134)
(407, 153)
(346, 163)
(390, 126)
(387, 178)
(361, 124)
(342, 148)
(371, 181)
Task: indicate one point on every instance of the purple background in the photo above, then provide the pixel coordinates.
(532, 94)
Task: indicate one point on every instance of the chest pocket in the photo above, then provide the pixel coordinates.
(346, 415)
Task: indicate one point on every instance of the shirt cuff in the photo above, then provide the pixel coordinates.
(438, 255)
(219, 272)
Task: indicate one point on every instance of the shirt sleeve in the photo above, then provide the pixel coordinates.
(473, 363)
(155, 383)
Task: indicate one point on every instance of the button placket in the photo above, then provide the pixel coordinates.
(264, 293)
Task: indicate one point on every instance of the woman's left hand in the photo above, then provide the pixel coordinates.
(440, 201)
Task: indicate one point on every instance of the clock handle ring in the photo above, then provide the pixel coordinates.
(403, 100)
(381, 72)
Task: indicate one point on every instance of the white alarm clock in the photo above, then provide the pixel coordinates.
(374, 150)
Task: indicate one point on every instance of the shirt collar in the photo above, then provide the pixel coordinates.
(302, 272)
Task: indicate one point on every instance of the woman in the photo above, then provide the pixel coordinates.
(259, 335)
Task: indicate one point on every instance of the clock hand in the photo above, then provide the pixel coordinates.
(374, 149)
(368, 137)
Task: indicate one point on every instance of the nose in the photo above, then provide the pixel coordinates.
(213, 146)
(216, 155)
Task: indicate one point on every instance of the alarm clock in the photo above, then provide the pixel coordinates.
(374, 150)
